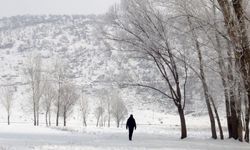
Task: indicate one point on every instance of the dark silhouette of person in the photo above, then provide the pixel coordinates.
(131, 125)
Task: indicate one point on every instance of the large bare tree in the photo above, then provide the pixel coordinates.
(235, 19)
(143, 27)
(194, 32)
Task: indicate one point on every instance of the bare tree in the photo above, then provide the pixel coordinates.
(109, 109)
(98, 113)
(105, 102)
(84, 108)
(101, 110)
(33, 74)
(225, 72)
(186, 10)
(119, 110)
(49, 95)
(143, 27)
(69, 98)
(60, 69)
(7, 101)
(235, 20)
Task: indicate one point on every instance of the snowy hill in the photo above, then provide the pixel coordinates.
(94, 64)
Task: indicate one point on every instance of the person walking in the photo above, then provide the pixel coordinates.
(131, 125)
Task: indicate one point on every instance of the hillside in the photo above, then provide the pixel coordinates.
(94, 64)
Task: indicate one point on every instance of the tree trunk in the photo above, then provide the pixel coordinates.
(233, 119)
(118, 124)
(223, 75)
(101, 122)
(247, 130)
(203, 80)
(217, 118)
(64, 117)
(109, 119)
(46, 118)
(49, 118)
(210, 113)
(183, 123)
(240, 128)
(34, 113)
(37, 116)
(97, 121)
(206, 92)
(57, 114)
(84, 122)
(8, 119)
(64, 120)
(230, 89)
(58, 103)
(238, 110)
(227, 107)
(247, 107)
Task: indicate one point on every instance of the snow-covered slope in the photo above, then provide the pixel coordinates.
(94, 65)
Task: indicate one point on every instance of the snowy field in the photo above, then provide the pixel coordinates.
(146, 137)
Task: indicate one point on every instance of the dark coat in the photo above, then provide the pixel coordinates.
(131, 124)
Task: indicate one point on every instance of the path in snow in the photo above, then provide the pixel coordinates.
(27, 137)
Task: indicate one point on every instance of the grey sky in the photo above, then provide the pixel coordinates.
(20, 7)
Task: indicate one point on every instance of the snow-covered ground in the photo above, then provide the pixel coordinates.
(27, 137)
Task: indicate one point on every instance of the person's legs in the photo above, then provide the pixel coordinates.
(130, 134)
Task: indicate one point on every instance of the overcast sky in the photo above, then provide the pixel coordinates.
(21, 7)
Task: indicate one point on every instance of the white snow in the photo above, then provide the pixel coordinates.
(146, 137)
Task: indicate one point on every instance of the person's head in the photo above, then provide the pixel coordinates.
(131, 116)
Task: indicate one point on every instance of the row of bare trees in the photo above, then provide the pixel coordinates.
(50, 89)
(236, 21)
(184, 37)
(110, 105)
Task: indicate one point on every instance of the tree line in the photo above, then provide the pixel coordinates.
(52, 91)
